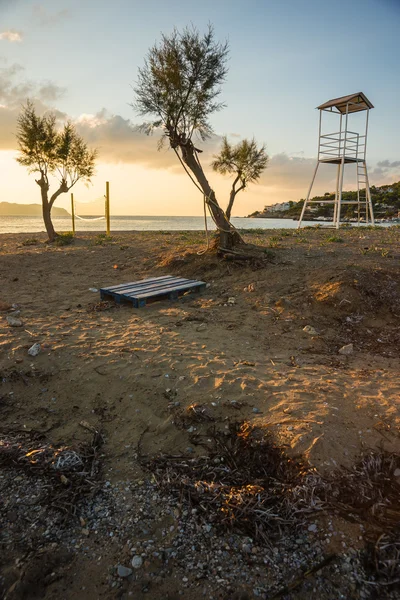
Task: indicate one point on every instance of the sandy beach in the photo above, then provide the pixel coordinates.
(121, 369)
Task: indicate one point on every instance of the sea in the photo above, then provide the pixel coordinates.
(133, 223)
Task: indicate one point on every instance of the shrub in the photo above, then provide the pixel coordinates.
(64, 239)
(335, 238)
(102, 239)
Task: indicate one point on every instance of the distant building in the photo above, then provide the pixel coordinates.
(278, 207)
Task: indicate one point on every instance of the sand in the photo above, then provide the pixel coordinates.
(119, 368)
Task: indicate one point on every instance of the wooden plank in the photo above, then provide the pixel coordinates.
(183, 287)
(159, 289)
(167, 288)
(151, 286)
(142, 281)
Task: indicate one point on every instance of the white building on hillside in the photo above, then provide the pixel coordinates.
(278, 207)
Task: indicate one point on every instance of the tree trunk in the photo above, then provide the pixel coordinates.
(230, 203)
(228, 236)
(46, 212)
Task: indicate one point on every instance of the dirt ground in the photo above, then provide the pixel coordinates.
(240, 347)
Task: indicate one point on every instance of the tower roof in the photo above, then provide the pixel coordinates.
(356, 102)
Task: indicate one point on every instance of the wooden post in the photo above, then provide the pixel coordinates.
(73, 213)
(107, 208)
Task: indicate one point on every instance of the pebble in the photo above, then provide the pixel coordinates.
(34, 350)
(348, 349)
(137, 562)
(310, 330)
(256, 410)
(124, 571)
(397, 473)
(222, 557)
(13, 321)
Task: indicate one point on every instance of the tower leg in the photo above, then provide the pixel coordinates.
(339, 202)
(368, 198)
(308, 196)
(336, 196)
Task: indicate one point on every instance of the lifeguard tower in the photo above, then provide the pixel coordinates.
(341, 148)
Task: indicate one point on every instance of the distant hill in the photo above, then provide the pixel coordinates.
(12, 209)
(385, 200)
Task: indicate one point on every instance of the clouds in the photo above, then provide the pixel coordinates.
(386, 164)
(14, 91)
(385, 172)
(45, 18)
(11, 35)
(14, 88)
(119, 141)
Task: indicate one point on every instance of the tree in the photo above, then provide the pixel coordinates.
(178, 87)
(47, 151)
(245, 160)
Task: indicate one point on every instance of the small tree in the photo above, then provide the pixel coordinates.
(179, 87)
(47, 151)
(245, 160)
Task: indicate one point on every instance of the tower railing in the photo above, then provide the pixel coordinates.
(333, 146)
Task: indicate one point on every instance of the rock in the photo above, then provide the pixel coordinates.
(201, 327)
(250, 288)
(123, 571)
(256, 410)
(85, 532)
(312, 527)
(93, 290)
(231, 300)
(284, 303)
(137, 562)
(397, 473)
(13, 321)
(34, 350)
(310, 330)
(348, 349)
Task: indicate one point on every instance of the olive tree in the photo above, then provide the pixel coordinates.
(245, 160)
(178, 88)
(48, 151)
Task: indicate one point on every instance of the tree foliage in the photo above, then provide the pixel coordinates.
(46, 150)
(180, 81)
(246, 161)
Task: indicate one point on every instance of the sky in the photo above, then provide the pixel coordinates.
(81, 60)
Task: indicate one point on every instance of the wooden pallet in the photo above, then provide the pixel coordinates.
(156, 288)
